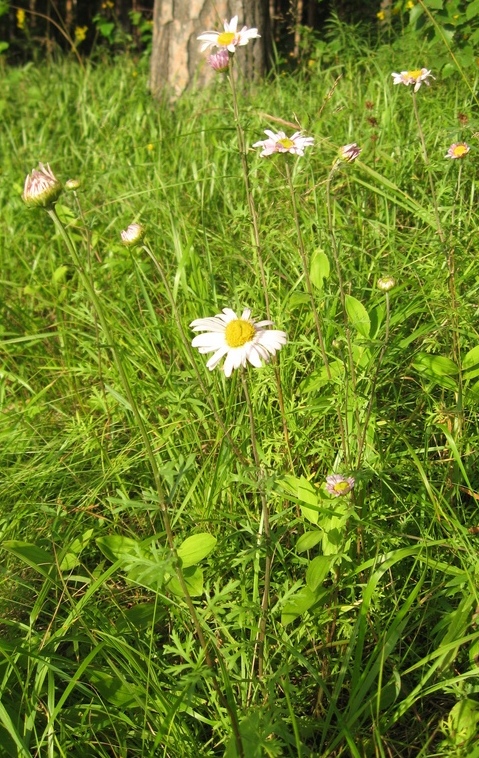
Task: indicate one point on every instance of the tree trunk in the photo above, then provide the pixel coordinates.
(176, 61)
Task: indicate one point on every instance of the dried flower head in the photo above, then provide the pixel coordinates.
(230, 39)
(458, 150)
(133, 235)
(463, 119)
(239, 339)
(41, 187)
(338, 485)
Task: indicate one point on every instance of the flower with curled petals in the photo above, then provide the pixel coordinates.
(338, 485)
(41, 187)
(349, 153)
(279, 143)
(230, 39)
(132, 235)
(238, 340)
(416, 76)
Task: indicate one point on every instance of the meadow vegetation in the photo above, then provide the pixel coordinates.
(176, 578)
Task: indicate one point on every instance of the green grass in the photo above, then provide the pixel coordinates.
(371, 634)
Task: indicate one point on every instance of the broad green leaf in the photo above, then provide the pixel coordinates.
(318, 379)
(317, 571)
(308, 540)
(435, 365)
(470, 363)
(357, 315)
(195, 548)
(69, 557)
(193, 579)
(145, 565)
(319, 269)
(472, 9)
(298, 604)
(59, 275)
(305, 493)
(121, 694)
(116, 547)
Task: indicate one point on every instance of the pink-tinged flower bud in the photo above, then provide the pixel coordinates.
(41, 187)
(350, 152)
(133, 235)
(72, 184)
(220, 61)
(386, 283)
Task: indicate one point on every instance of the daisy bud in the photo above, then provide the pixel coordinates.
(220, 61)
(349, 153)
(386, 283)
(41, 188)
(133, 235)
(72, 184)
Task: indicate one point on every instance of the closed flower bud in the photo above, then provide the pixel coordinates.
(72, 184)
(41, 187)
(220, 61)
(386, 283)
(350, 152)
(133, 235)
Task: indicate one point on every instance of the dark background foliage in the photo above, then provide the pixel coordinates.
(30, 29)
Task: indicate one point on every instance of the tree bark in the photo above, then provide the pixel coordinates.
(176, 61)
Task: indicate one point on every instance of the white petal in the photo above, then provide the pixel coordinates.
(232, 26)
(254, 357)
(228, 364)
(212, 324)
(246, 314)
(215, 359)
(211, 341)
(229, 315)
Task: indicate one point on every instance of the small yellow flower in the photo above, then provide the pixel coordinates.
(21, 18)
(381, 15)
(409, 5)
(80, 33)
(107, 4)
(150, 146)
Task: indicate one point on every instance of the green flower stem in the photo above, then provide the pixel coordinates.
(257, 246)
(154, 467)
(265, 528)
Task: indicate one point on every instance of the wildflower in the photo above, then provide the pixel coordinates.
(72, 184)
(41, 187)
(239, 339)
(416, 77)
(386, 283)
(338, 485)
(230, 39)
(409, 5)
(280, 143)
(458, 150)
(80, 33)
(133, 235)
(150, 146)
(20, 18)
(350, 152)
(220, 61)
(381, 15)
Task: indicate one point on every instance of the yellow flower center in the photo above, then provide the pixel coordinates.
(460, 151)
(225, 38)
(286, 143)
(414, 74)
(238, 332)
(341, 487)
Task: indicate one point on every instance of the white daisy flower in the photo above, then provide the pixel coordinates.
(458, 150)
(239, 339)
(416, 77)
(280, 143)
(230, 39)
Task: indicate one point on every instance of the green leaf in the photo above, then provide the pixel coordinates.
(317, 571)
(30, 554)
(298, 604)
(470, 363)
(69, 555)
(319, 269)
(195, 548)
(308, 540)
(193, 577)
(121, 694)
(358, 315)
(116, 547)
(145, 565)
(472, 9)
(435, 365)
(304, 493)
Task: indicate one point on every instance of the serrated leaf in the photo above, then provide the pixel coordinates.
(358, 315)
(308, 540)
(145, 565)
(317, 571)
(195, 548)
(319, 268)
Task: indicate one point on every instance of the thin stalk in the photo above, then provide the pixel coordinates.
(155, 470)
(257, 247)
(266, 531)
(428, 168)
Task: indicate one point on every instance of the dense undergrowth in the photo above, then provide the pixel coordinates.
(371, 635)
